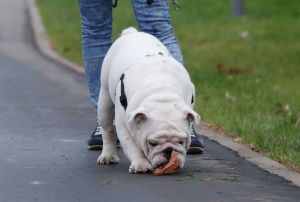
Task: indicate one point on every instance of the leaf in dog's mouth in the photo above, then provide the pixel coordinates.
(168, 168)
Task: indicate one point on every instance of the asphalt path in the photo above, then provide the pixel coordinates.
(46, 117)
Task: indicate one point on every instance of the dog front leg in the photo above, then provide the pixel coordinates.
(139, 163)
(105, 118)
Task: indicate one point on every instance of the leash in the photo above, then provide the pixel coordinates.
(115, 4)
(174, 2)
(149, 2)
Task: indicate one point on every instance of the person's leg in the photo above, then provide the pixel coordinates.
(155, 20)
(96, 19)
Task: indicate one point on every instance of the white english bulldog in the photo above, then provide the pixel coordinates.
(151, 98)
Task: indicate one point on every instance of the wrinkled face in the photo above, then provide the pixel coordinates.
(160, 128)
(160, 144)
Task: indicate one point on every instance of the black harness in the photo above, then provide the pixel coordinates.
(123, 98)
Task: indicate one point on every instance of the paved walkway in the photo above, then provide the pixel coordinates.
(46, 117)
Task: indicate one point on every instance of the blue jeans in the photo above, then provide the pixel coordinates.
(96, 22)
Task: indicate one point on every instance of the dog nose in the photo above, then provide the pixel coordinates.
(168, 152)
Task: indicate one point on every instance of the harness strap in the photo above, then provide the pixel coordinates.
(123, 98)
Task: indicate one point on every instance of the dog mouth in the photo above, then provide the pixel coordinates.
(163, 157)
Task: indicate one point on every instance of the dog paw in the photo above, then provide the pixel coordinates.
(108, 159)
(142, 166)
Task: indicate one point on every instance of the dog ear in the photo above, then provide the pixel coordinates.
(137, 115)
(192, 116)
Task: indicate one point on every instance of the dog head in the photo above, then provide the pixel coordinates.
(160, 128)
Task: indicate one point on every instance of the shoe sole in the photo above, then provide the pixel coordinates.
(95, 147)
(98, 147)
(195, 150)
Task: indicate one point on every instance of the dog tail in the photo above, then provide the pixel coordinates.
(129, 30)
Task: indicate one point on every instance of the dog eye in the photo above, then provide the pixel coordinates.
(181, 142)
(153, 143)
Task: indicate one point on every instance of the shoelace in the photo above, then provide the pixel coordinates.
(98, 130)
(192, 131)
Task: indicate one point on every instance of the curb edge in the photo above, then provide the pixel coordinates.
(256, 158)
(42, 41)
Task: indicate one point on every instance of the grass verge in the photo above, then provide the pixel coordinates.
(246, 70)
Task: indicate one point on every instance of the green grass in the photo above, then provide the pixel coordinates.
(260, 70)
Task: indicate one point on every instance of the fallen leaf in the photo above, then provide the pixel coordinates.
(297, 122)
(109, 182)
(220, 68)
(279, 108)
(237, 139)
(168, 168)
(208, 179)
(42, 199)
(280, 139)
(277, 166)
(245, 34)
(66, 49)
(288, 109)
(235, 71)
(229, 97)
(191, 177)
(278, 112)
(240, 151)
(236, 176)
